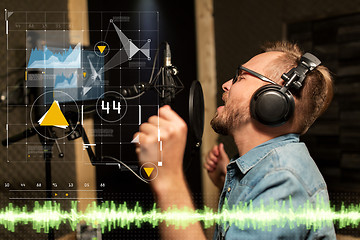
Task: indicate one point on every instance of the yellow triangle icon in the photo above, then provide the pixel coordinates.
(84, 74)
(148, 171)
(54, 117)
(101, 48)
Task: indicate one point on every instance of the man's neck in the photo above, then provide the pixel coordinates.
(251, 135)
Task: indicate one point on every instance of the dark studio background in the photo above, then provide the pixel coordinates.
(330, 29)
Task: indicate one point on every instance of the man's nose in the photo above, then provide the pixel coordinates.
(227, 85)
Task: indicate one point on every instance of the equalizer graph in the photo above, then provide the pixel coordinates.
(47, 58)
(62, 81)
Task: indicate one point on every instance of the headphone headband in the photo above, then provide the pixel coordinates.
(295, 77)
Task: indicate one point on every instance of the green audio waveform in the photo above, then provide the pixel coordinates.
(110, 216)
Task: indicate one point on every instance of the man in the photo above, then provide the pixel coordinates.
(273, 165)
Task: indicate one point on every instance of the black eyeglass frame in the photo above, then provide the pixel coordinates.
(255, 74)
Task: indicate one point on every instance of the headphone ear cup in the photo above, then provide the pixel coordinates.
(270, 106)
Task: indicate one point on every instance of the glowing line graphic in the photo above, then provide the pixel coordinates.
(110, 216)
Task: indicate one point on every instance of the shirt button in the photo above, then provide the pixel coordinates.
(229, 189)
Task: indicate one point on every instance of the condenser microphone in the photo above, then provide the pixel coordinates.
(167, 55)
(166, 82)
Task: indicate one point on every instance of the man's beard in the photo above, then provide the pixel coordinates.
(220, 126)
(230, 118)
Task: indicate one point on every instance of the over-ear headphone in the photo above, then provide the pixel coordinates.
(272, 104)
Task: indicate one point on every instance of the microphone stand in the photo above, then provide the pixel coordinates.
(47, 144)
(47, 149)
(79, 131)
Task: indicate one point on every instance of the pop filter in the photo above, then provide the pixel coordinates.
(196, 112)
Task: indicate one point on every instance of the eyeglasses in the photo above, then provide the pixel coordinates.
(255, 74)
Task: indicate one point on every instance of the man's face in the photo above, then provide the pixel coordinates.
(236, 97)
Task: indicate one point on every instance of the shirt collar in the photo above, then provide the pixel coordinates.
(255, 155)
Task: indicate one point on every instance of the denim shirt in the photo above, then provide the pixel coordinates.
(269, 172)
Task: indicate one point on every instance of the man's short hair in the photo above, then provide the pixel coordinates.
(317, 92)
